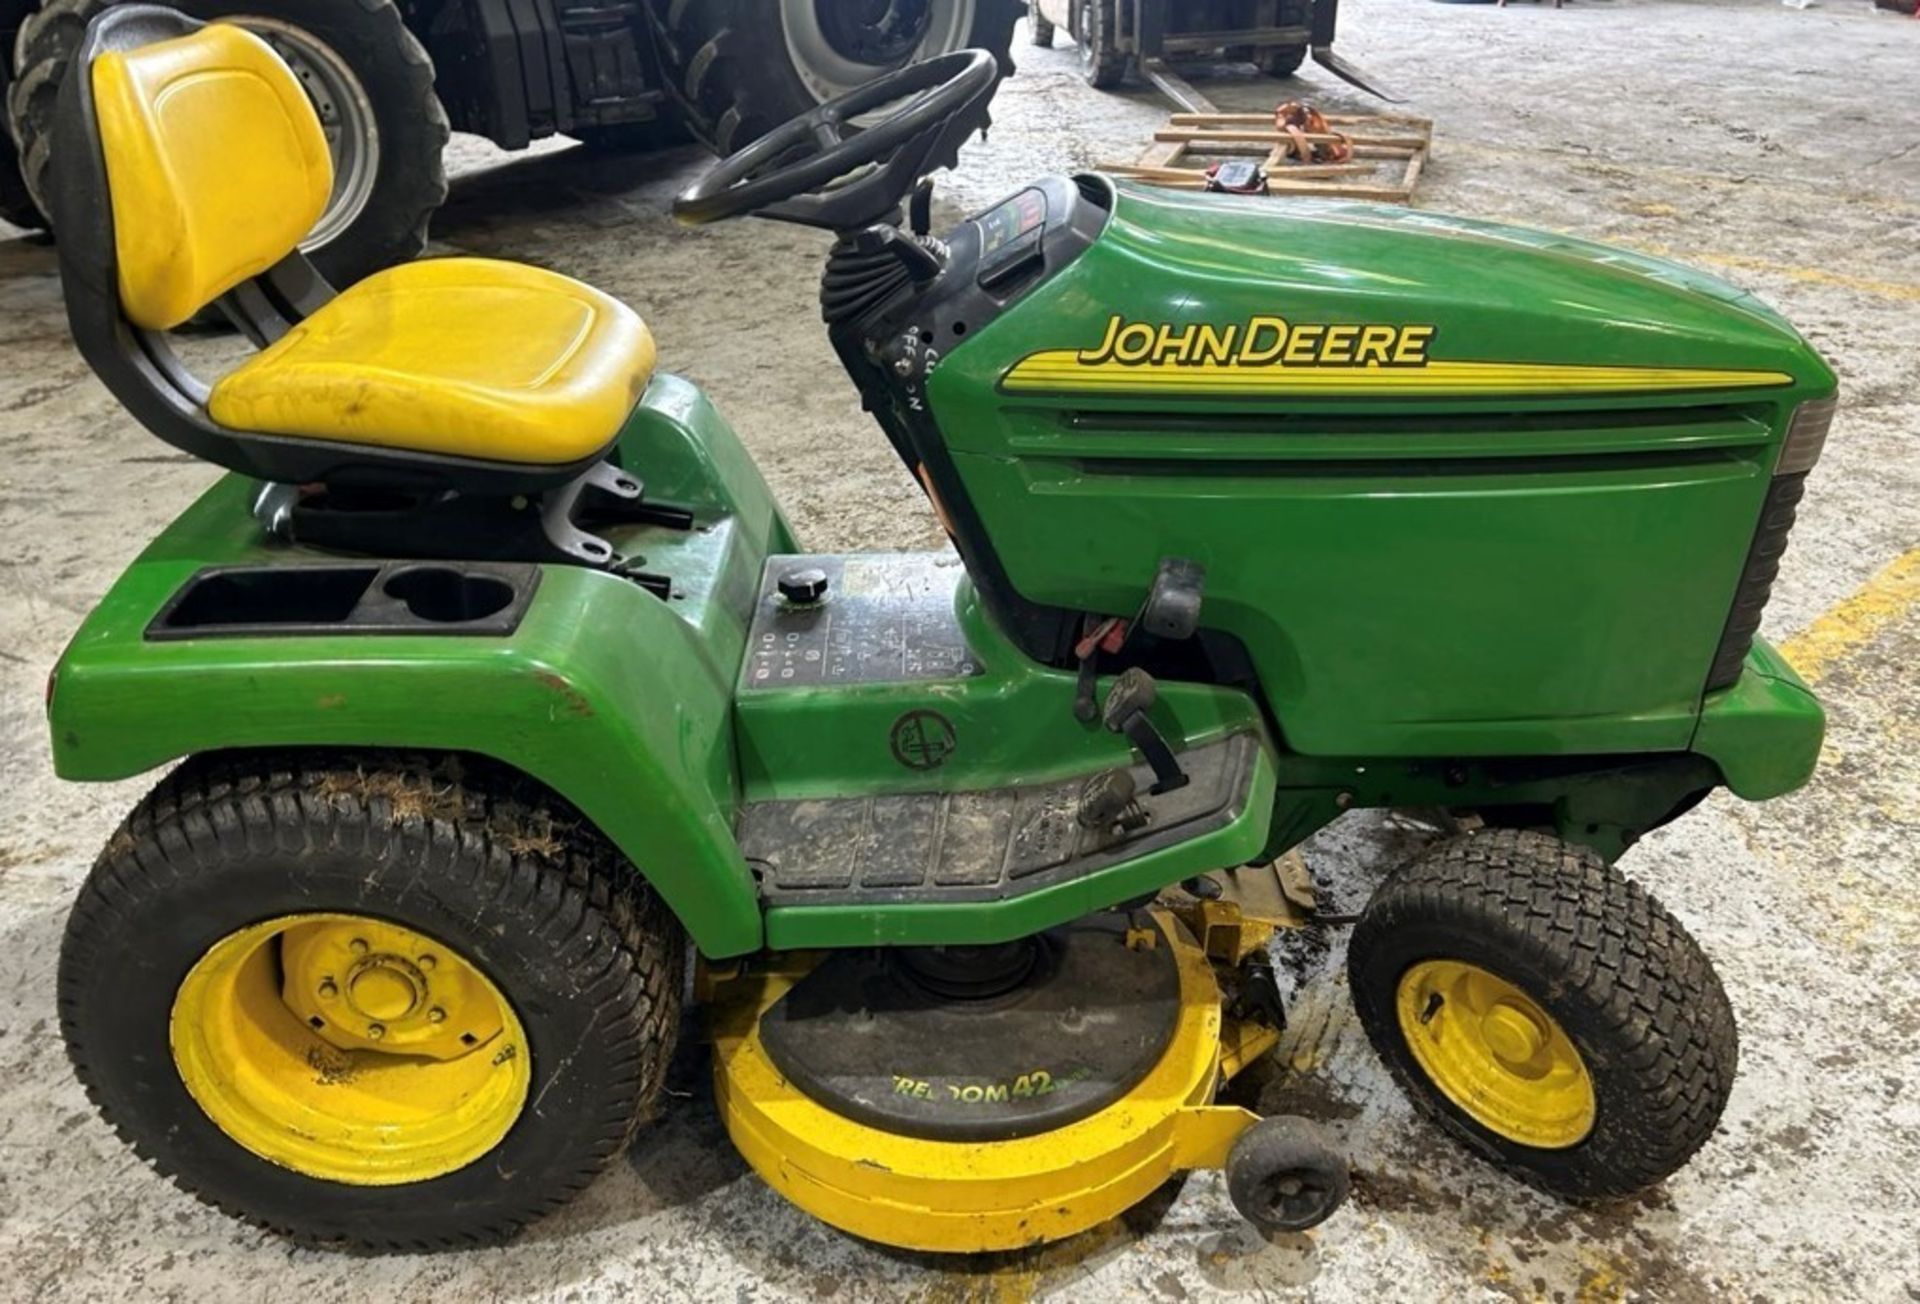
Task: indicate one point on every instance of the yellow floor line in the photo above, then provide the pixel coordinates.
(1818, 275)
(1692, 177)
(1851, 623)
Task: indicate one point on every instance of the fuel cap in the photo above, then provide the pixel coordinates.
(804, 587)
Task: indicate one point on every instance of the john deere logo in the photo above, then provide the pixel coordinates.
(1261, 357)
(1258, 342)
(922, 740)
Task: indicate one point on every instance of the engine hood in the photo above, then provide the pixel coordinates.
(1244, 299)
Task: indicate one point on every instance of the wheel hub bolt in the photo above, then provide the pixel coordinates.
(436, 1015)
(328, 989)
(1512, 1036)
(425, 963)
(358, 946)
(382, 991)
(376, 1030)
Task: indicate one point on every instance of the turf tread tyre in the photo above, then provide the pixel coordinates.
(726, 67)
(479, 842)
(1622, 976)
(411, 181)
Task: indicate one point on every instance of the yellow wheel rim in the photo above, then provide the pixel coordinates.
(350, 1049)
(1496, 1054)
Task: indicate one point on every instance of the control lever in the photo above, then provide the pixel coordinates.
(1108, 635)
(1108, 801)
(1128, 701)
(1171, 611)
(923, 259)
(920, 208)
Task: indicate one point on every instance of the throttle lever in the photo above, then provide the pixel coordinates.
(1128, 701)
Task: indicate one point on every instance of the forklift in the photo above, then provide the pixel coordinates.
(1276, 36)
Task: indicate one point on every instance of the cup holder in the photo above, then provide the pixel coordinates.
(448, 597)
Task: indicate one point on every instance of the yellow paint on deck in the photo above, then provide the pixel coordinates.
(1879, 602)
(967, 1197)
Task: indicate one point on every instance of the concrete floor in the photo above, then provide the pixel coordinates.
(1778, 147)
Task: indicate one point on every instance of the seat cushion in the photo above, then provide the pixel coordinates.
(463, 357)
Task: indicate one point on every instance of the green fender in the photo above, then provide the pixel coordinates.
(610, 696)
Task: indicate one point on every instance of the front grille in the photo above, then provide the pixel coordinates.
(1756, 578)
(1806, 436)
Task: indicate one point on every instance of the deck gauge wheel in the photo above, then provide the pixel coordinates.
(1285, 1174)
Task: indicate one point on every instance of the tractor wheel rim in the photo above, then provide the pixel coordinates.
(346, 117)
(1496, 1053)
(350, 1049)
(826, 70)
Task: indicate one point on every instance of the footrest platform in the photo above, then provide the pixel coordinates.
(977, 846)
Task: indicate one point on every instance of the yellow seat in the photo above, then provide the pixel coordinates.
(463, 357)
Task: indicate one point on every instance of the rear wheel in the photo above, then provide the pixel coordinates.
(1545, 1011)
(326, 996)
(738, 71)
(370, 82)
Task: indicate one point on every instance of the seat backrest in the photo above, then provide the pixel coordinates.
(190, 167)
(216, 167)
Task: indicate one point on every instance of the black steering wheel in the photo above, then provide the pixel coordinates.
(823, 169)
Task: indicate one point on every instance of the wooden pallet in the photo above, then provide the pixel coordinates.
(1389, 152)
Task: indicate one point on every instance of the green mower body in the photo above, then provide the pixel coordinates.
(1484, 520)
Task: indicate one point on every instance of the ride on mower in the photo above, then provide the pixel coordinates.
(509, 710)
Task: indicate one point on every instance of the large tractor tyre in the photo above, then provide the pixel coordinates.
(1102, 63)
(370, 81)
(739, 68)
(398, 1004)
(1545, 1011)
(16, 203)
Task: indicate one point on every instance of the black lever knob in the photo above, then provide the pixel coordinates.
(1132, 693)
(804, 587)
(1108, 802)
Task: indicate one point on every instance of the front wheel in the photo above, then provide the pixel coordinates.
(1278, 60)
(1102, 62)
(1039, 30)
(1545, 1011)
(391, 1004)
(1283, 61)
